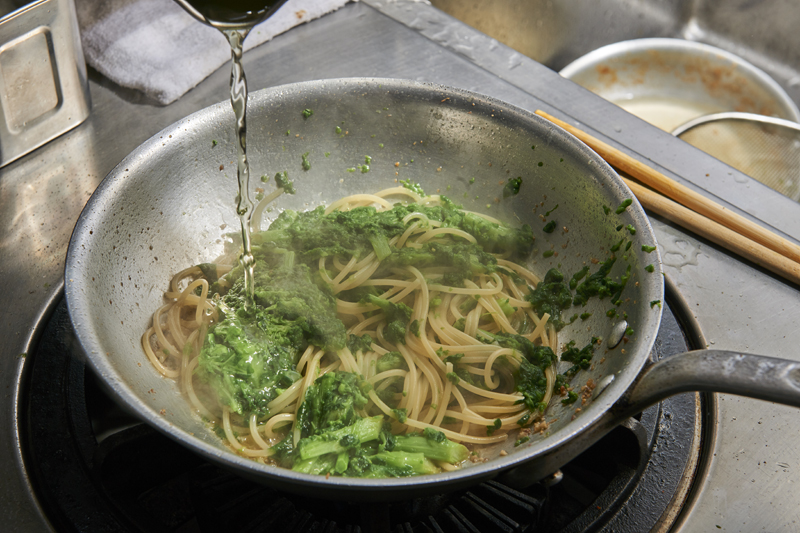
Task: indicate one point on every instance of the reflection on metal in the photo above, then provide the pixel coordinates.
(44, 91)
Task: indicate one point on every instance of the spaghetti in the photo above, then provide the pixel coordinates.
(452, 377)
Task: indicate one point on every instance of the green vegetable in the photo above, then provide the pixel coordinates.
(650, 268)
(521, 441)
(391, 361)
(432, 444)
(579, 275)
(512, 187)
(338, 129)
(282, 181)
(648, 249)
(655, 303)
(631, 229)
(606, 209)
(332, 403)
(599, 284)
(397, 317)
(307, 113)
(548, 213)
(582, 358)
(571, 398)
(494, 427)
(548, 253)
(551, 296)
(623, 206)
(306, 163)
(549, 227)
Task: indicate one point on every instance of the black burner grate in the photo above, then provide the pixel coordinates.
(138, 480)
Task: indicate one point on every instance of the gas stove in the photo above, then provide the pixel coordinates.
(94, 468)
(693, 463)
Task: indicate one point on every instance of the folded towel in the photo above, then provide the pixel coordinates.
(156, 47)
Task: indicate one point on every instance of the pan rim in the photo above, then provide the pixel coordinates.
(391, 487)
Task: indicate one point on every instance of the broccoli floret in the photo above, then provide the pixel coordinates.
(397, 317)
(416, 462)
(466, 260)
(338, 441)
(331, 403)
(359, 344)
(390, 361)
(249, 358)
(434, 445)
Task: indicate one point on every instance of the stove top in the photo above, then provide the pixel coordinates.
(94, 468)
(745, 481)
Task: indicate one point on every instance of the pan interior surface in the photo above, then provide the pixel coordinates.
(170, 205)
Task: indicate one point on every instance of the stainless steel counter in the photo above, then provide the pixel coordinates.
(749, 484)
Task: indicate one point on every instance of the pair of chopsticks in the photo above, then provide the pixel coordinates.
(697, 213)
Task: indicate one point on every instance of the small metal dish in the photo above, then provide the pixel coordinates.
(668, 82)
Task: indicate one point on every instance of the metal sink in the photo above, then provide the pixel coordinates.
(555, 33)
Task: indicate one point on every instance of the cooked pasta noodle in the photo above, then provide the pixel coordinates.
(430, 396)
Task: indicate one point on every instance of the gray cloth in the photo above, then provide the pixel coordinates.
(154, 46)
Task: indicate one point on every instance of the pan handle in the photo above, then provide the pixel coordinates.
(754, 376)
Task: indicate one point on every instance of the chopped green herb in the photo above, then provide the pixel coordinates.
(579, 275)
(351, 169)
(213, 142)
(264, 179)
(619, 227)
(367, 160)
(533, 147)
(413, 187)
(628, 247)
(648, 249)
(521, 441)
(453, 377)
(541, 164)
(282, 181)
(611, 313)
(631, 229)
(629, 332)
(585, 316)
(548, 213)
(548, 253)
(380, 145)
(606, 209)
(655, 303)
(327, 154)
(338, 129)
(471, 181)
(512, 187)
(623, 206)
(617, 246)
(650, 268)
(494, 427)
(571, 398)
(288, 132)
(306, 163)
(363, 168)
(307, 113)
(550, 227)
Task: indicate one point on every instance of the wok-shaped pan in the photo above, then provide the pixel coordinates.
(170, 204)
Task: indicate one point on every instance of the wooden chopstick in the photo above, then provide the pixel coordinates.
(684, 195)
(716, 233)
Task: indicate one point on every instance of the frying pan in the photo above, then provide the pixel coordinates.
(170, 204)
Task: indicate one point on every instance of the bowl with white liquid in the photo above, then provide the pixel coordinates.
(668, 82)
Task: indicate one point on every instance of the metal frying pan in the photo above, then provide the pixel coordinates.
(170, 204)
